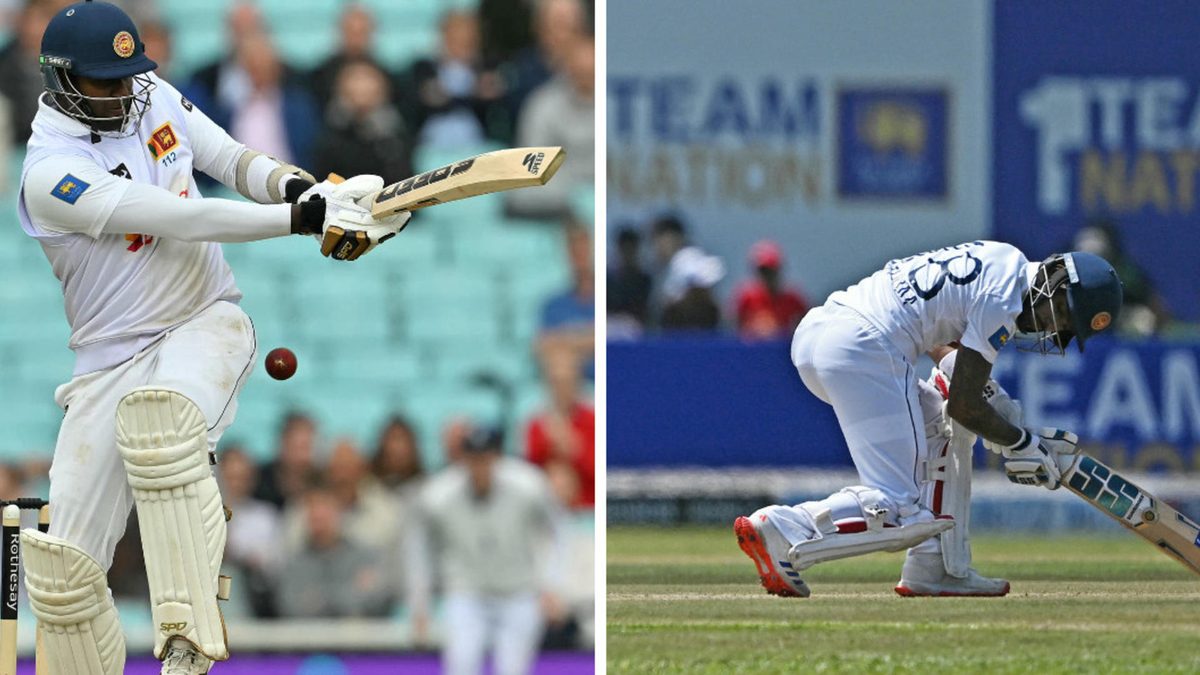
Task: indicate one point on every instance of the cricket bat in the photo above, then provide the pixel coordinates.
(1150, 518)
(479, 175)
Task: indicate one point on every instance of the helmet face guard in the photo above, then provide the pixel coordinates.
(1094, 298)
(1051, 276)
(75, 104)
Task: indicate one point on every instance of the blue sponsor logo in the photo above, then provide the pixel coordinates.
(69, 189)
(892, 143)
(999, 338)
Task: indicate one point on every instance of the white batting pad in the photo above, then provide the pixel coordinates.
(162, 438)
(835, 546)
(956, 500)
(68, 593)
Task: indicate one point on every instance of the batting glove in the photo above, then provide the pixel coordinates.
(1033, 460)
(349, 230)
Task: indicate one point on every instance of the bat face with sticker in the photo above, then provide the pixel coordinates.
(480, 175)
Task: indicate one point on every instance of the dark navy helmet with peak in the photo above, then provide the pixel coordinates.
(1094, 294)
(98, 41)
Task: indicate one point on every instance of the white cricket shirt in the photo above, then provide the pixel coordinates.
(971, 292)
(122, 224)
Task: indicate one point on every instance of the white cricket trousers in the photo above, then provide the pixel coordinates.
(846, 362)
(206, 359)
(512, 625)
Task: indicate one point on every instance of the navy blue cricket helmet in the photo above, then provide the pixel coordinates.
(96, 40)
(1094, 294)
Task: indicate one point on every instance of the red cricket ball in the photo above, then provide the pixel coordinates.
(281, 363)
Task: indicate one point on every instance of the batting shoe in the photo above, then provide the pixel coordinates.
(924, 575)
(760, 540)
(183, 659)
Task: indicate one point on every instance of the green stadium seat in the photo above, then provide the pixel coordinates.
(376, 364)
(463, 362)
(513, 244)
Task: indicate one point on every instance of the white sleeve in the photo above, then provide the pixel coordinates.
(73, 194)
(990, 325)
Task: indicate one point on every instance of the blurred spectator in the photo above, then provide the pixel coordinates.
(222, 84)
(289, 474)
(157, 37)
(10, 482)
(364, 133)
(497, 511)
(628, 287)
(127, 574)
(561, 112)
(454, 93)
(355, 44)
(369, 517)
(252, 547)
(274, 117)
(454, 439)
(556, 27)
(21, 84)
(569, 318)
(766, 308)
(331, 576)
(563, 436)
(505, 28)
(685, 290)
(1144, 311)
(397, 461)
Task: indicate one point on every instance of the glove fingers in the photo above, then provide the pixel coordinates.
(341, 244)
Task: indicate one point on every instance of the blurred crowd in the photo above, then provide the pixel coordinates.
(677, 291)
(509, 72)
(672, 284)
(322, 509)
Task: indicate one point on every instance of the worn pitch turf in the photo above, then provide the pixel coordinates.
(687, 600)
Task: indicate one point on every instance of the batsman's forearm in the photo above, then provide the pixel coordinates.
(983, 420)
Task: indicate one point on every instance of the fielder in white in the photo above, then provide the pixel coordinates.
(491, 530)
(911, 439)
(162, 348)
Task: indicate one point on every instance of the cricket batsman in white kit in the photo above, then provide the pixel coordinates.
(857, 352)
(161, 347)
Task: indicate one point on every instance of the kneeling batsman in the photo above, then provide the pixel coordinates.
(859, 519)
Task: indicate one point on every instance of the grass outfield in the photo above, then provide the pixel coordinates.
(687, 600)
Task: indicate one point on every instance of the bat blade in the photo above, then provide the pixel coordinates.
(480, 175)
(1146, 515)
